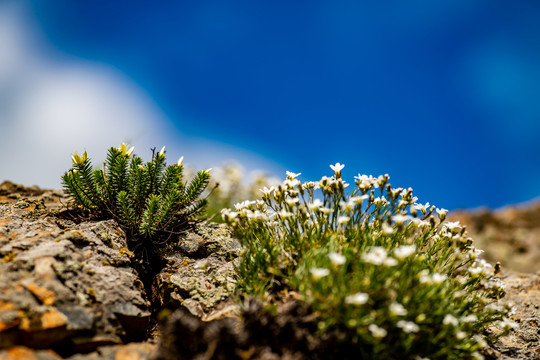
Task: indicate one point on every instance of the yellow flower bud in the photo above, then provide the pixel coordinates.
(77, 159)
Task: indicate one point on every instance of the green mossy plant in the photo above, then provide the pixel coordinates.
(391, 276)
(149, 200)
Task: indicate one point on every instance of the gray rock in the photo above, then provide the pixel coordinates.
(65, 286)
(200, 275)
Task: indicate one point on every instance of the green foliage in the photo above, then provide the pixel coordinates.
(150, 200)
(391, 275)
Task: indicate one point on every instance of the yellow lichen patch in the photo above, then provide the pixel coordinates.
(30, 208)
(91, 292)
(8, 258)
(124, 251)
(184, 263)
(44, 295)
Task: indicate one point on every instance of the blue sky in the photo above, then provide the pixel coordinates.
(443, 96)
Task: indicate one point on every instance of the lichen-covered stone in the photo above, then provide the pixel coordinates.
(68, 285)
(199, 273)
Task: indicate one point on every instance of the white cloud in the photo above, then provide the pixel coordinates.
(51, 106)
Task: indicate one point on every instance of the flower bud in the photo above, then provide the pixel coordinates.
(77, 159)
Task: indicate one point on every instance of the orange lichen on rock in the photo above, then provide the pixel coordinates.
(24, 353)
(49, 320)
(44, 295)
(5, 307)
(53, 319)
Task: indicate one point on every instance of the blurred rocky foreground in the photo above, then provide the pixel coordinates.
(70, 289)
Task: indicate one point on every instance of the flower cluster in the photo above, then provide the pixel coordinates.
(229, 186)
(377, 265)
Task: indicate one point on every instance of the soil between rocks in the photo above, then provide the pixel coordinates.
(68, 289)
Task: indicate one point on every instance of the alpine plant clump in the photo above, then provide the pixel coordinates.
(149, 200)
(390, 275)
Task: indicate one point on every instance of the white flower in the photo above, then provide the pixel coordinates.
(346, 206)
(480, 340)
(438, 278)
(460, 335)
(404, 251)
(366, 182)
(292, 201)
(397, 309)
(422, 208)
(257, 215)
(229, 213)
(267, 191)
(337, 259)
(291, 183)
(483, 264)
(477, 356)
(358, 199)
(311, 185)
(395, 192)
(469, 318)
(387, 229)
(508, 324)
(400, 219)
(337, 168)
(292, 175)
(316, 205)
(494, 307)
(162, 151)
(381, 201)
(474, 252)
(343, 219)
(284, 213)
(408, 326)
(180, 161)
(424, 277)
(376, 331)
(326, 210)
(244, 204)
(376, 255)
(357, 299)
(318, 273)
(450, 319)
(442, 213)
(453, 225)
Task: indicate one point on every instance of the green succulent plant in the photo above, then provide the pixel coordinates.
(149, 200)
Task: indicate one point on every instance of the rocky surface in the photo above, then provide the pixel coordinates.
(523, 292)
(70, 289)
(510, 235)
